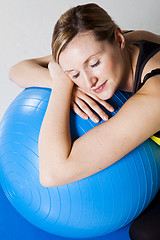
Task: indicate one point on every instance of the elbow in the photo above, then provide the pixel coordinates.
(48, 178)
(11, 73)
(52, 174)
(54, 179)
(16, 73)
(47, 181)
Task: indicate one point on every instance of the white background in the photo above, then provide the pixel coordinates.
(26, 30)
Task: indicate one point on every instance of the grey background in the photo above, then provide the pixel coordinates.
(26, 29)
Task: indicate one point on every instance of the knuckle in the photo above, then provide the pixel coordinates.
(74, 106)
(93, 104)
(77, 111)
(74, 109)
(101, 112)
(83, 106)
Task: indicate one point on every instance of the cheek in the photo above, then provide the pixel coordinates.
(79, 83)
(114, 66)
(107, 69)
(108, 66)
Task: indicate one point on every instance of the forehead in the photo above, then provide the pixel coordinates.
(79, 50)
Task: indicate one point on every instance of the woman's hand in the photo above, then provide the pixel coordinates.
(85, 104)
(60, 80)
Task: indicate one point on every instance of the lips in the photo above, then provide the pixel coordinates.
(100, 88)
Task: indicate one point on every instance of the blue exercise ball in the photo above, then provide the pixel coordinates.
(91, 207)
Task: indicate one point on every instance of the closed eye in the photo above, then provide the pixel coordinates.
(76, 75)
(95, 65)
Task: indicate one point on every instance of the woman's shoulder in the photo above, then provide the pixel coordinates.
(138, 35)
(152, 64)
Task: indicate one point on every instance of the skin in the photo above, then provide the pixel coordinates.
(34, 73)
(100, 64)
(63, 162)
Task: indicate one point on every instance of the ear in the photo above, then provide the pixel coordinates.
(119, 38)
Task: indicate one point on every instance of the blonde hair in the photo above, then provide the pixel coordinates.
(87, 17)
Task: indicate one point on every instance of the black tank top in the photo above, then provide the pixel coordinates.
(147, 51)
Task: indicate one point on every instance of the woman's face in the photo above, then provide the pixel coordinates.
(95, 66)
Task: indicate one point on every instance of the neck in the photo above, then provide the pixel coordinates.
(130, 56)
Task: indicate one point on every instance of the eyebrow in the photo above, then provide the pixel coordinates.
(86, 61)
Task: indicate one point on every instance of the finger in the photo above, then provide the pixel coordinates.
(78, 111)
(87, 104)
(104, 103)
(94, 106)
(86, 109)
(81, 94)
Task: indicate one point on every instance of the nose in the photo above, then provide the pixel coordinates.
(90, 79)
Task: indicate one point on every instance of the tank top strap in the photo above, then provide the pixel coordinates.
(153, 73)
(147, 51)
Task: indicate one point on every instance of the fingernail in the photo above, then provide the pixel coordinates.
(111, 109)
(96, 120)
(85, 117)
(105, 118)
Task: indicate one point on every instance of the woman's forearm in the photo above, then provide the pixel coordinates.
(30, 73)
(34, 72)
(55, 139)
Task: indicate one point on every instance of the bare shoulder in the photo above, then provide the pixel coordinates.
(152, 88)
(141, 35)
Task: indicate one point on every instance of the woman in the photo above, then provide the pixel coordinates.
(90, 51)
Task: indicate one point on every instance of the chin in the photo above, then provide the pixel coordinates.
(106, 95)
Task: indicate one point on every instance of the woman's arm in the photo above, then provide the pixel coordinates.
(62, 162)
(31, 73)
(34, 72)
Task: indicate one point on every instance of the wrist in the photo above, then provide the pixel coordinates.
(61, 82)
(64, 88)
